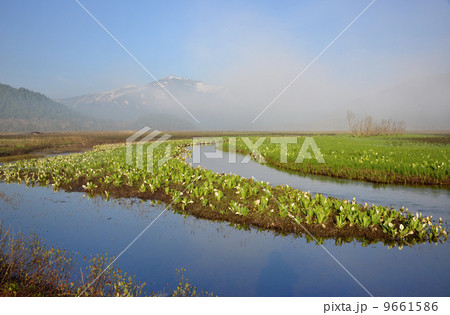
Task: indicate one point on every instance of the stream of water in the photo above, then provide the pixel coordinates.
(238, 262)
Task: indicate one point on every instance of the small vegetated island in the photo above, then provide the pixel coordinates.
(247, 202)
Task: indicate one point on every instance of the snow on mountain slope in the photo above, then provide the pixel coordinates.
(133, 101)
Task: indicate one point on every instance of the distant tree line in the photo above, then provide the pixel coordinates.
(370, 127)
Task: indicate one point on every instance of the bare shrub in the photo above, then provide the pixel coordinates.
(370, 127)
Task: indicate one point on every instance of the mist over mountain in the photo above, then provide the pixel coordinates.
(133, 101)
(423, 103)
(313, 104)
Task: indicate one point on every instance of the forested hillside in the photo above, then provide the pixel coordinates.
(25, 104)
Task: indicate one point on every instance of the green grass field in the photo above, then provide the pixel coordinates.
(407, 159)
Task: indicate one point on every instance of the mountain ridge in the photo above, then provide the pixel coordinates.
(134, 101)
(422, 103)
(25, 110)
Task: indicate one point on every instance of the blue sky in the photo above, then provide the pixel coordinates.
(55, 48)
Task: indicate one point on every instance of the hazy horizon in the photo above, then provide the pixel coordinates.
(253, 50)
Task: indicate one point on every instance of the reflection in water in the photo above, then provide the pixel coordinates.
(277, 278)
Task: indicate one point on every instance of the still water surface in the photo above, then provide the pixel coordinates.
(232, 262)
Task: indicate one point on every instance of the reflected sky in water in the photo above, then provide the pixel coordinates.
(219, 257)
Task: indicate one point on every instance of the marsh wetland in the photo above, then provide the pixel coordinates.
(238, 229)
